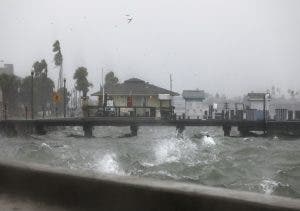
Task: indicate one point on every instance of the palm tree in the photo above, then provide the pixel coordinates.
(58, 60)
(82, 84)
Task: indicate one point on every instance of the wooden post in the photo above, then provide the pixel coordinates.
(32, 111)
(5, 111)
(88, 130)
(65, 111)
(226, 129)
(26, 112)
(134, 130)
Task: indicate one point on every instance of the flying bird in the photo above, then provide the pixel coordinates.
(129, 19)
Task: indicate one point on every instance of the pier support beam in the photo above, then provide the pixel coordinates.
(88, 130)
(40, 130)
(179, 130)
(226, 129)
(134, 130)
(9, 130)
(244, 131)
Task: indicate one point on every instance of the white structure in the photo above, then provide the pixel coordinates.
(7, 69)
(194, 106)
(257, 100)
(258, 106)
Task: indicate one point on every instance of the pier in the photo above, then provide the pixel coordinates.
(39, 126)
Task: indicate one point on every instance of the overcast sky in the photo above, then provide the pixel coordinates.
(225, 46)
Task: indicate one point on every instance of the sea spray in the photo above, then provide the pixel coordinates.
(208, 141)
(109, 164)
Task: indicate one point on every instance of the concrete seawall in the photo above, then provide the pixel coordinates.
(63, 189)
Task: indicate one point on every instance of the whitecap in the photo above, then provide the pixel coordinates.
(209, 141)
(45, 146)
(174, 150)
(269, 186)
(109, 164)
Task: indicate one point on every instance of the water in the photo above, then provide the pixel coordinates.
(202, 156)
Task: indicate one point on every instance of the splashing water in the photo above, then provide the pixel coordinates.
(208, 141)
(108, 164)
(269, 185)
(174, 150)
(233, 162)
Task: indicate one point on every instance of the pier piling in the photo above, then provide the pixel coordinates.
(88, 130)
(133, 130)
(226, 129)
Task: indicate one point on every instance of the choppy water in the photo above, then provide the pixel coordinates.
(265, 165)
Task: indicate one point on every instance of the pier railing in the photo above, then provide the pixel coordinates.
(69, 190)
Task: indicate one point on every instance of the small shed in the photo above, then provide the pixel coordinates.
(194, 106)
(256, 104)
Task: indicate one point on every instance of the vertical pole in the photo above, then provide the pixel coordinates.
(26, 111)
(5, 111)
(32, 111)
(171, 82)
(65, 98)
(265, 113)
(102, 89)
(184, 108)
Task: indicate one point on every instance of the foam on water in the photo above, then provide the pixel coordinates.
(108, 164)
(45, 146)
(249, 164)
(269, 186)
(174, 150)
(208, 141)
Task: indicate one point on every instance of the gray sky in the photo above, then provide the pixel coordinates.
(225, 46)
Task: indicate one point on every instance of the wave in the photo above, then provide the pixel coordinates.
(108, 164)
(268, 186)
(175, 150)
(208, 141)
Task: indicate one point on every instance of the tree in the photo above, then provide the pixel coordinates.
(292, 93)
(82, 84)
(111, 79)
(40, 68)
(42, 88)
(58, 61)
(10, 87)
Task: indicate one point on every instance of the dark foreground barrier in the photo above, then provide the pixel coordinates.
(66, 190)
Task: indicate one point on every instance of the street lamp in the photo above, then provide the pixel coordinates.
(32, 116)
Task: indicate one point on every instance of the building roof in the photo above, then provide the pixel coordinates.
(134, 86)
(193, 94)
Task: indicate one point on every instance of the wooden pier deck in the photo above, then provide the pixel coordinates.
(14, 126)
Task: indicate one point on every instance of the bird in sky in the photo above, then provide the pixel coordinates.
(129, 20)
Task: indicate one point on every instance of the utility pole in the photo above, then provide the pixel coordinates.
(171, 81)
(102, 89)
(32, 111)
(65, 111)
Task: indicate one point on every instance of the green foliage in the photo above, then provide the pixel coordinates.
(40, 68)
(58, 59)
(10, 86)
(82, 84)
(42, 92)
(111, 79)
